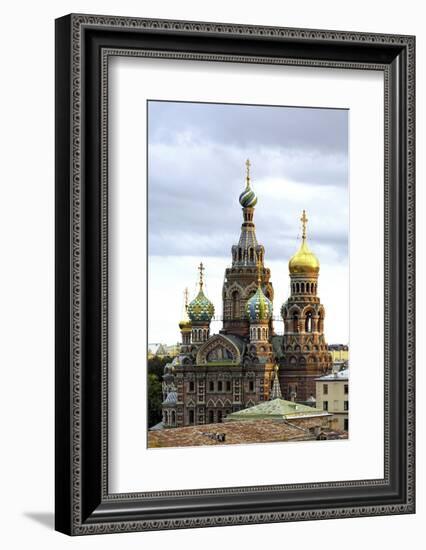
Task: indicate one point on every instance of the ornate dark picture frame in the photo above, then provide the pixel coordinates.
(84, 44)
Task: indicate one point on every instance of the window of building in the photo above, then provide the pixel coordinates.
(325, 405)
(220, 386)
(251, 385)
(191, 386)
(325, 389)
(219, 416)
(211, 417)
(346, 389)
(346, 424)
(228, 386)
(191, 416)
(345, 405)
(211, 385)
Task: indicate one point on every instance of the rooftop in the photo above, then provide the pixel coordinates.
(335, 376)
(257, 431)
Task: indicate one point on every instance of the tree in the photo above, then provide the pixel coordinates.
(155, 398)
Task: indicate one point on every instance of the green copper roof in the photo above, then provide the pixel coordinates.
(277, 409)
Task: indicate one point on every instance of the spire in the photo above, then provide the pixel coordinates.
(276, 388)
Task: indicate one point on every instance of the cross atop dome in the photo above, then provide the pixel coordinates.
(201, 269)
(304, 221)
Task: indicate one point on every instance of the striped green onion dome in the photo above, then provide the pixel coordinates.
(248, 198)
(259, 308)
(200, 309)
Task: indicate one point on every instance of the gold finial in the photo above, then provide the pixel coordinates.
(276, 368)
(185, 298)
(304, 221)
(248, 172)
(259, 271)
(201, 268)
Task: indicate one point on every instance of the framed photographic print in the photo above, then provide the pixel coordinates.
(234, 274)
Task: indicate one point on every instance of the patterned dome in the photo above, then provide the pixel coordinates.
(201, 309)
(248, 198)
(259, 308)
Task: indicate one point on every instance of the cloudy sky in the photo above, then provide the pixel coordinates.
(196, 171)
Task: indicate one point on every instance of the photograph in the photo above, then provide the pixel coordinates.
(248, 274)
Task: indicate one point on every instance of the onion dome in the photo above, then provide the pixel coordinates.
(259, 307)
(201, 309)
(248, 197)
(304, 261)
(185, 324)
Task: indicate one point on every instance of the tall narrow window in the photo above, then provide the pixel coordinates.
(308, 322)
(295, 323)
(235, 305)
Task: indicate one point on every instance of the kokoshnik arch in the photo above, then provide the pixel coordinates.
(246, 363)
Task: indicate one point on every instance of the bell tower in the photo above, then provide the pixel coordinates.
(305, 350)
(240, 281)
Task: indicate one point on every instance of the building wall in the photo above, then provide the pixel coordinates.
(333, 395)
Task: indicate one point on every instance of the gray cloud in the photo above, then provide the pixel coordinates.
(247, 125)
(196, 172)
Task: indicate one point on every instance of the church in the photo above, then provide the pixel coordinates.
(246, 363)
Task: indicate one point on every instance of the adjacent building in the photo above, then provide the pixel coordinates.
(332, 395)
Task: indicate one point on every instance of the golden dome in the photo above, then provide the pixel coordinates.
(185, 324)
(304, 261)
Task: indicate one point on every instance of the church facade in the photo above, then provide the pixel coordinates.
(215, 375)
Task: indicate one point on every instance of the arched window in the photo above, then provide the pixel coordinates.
(239, 255)
(297, 288)
(235, 304)
(251, 253)
(312, 287)
(173, 418)
(308, 322)
(258, 334)
(295, 322)
(302, 287)
(191, 416)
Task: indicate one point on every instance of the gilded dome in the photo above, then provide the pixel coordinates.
(259, 307)
(304, 261)
(185, 324)
(200, 309)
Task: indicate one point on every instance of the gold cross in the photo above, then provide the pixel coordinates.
(185, 296)
(304, 221)
(248, 171)
(201, 269)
